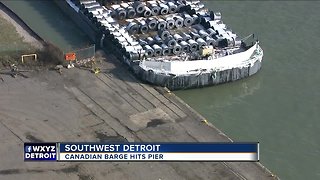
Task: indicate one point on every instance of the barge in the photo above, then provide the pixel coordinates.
(178, 44)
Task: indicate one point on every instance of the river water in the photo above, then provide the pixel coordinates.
(46, 19)
(278, 107)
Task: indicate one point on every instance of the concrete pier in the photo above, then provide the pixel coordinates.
(110, 106)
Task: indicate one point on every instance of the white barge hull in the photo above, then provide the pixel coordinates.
(193, 74)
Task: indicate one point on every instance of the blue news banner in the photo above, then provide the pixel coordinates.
(141, 152)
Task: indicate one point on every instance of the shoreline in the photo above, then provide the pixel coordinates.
(28, 35)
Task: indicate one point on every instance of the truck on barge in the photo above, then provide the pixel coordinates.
(178, 44)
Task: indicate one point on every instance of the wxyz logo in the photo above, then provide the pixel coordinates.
(44, 148)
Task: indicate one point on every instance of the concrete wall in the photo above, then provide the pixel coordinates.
(165, 66)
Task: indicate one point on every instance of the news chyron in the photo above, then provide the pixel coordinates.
(40, 151)
(79, 151)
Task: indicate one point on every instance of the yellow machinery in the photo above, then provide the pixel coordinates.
(207, 51)
(96, 70)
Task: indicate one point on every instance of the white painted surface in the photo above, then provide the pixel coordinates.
(239, 60)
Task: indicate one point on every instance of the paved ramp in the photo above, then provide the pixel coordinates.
(110, 106)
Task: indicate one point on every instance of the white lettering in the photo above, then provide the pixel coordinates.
(141, 148)
(40, 155)
(91, 148)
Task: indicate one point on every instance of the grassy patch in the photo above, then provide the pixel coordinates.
(10, 41)
(12, 47)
